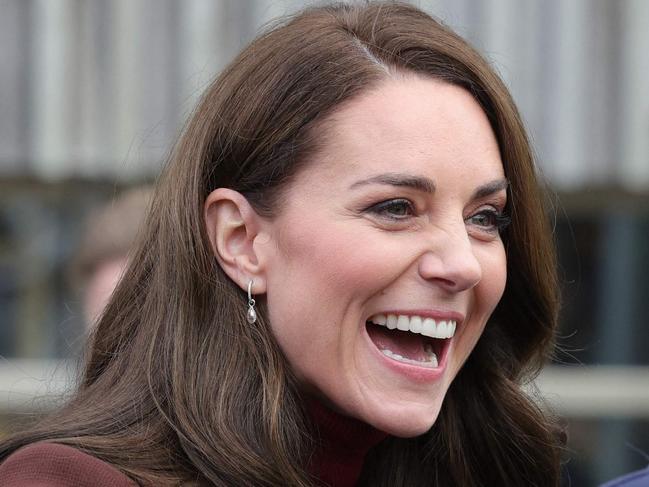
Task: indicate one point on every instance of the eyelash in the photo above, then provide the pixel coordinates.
(498, 220)
(382, 209)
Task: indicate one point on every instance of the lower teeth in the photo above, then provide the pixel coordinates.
(430, 363)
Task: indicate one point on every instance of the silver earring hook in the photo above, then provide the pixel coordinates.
(251, 302)
(251, 315)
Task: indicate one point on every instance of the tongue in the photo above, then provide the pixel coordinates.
(406, 344)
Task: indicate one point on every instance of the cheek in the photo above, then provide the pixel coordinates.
(317, 281)
(494, 277)
(328, 259)
(489, 291)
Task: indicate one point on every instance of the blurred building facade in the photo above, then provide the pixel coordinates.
(93, 94)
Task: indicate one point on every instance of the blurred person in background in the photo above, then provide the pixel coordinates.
(639, 478)
(345, 279)
(110, 234)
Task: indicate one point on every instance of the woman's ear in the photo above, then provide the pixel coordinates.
(232, 226)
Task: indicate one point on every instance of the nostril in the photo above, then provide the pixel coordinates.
(446, 282)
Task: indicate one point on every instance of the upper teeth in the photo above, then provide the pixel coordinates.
(416, 324)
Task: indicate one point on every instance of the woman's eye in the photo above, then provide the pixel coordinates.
(490, 220)
(396, 209)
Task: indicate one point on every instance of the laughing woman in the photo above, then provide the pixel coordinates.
(345, 279)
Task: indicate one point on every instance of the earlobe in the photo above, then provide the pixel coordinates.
(232, 226)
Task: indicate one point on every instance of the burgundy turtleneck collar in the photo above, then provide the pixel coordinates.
(342, 443)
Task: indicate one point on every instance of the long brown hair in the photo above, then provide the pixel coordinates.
(178, 388)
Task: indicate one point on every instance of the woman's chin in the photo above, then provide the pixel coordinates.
(409, 430)
(405, 424)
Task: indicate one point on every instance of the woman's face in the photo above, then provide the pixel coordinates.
(385, 262)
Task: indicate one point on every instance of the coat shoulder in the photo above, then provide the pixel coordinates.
(54, 465)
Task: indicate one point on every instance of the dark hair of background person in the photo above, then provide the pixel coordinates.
(178, 387)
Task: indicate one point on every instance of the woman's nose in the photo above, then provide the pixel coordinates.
(451, 263)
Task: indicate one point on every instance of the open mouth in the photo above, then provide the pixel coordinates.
(412, 340)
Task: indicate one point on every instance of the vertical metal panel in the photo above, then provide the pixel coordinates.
(527, 85)
(600, 96)
(570, 70)
(634, 84)
(200, 59)
(126, 35)
(15, 63)
(53, 83)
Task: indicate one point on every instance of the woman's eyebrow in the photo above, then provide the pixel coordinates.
(490, 188)
(419, 183)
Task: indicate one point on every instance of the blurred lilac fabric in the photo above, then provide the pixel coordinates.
(639, 478)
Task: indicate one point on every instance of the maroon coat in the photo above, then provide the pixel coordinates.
(53, 465)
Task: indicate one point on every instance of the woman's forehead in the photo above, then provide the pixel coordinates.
(414, 125)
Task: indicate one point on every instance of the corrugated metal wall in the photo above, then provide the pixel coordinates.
(101, 87)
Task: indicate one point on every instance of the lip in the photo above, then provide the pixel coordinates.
(410, 371)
